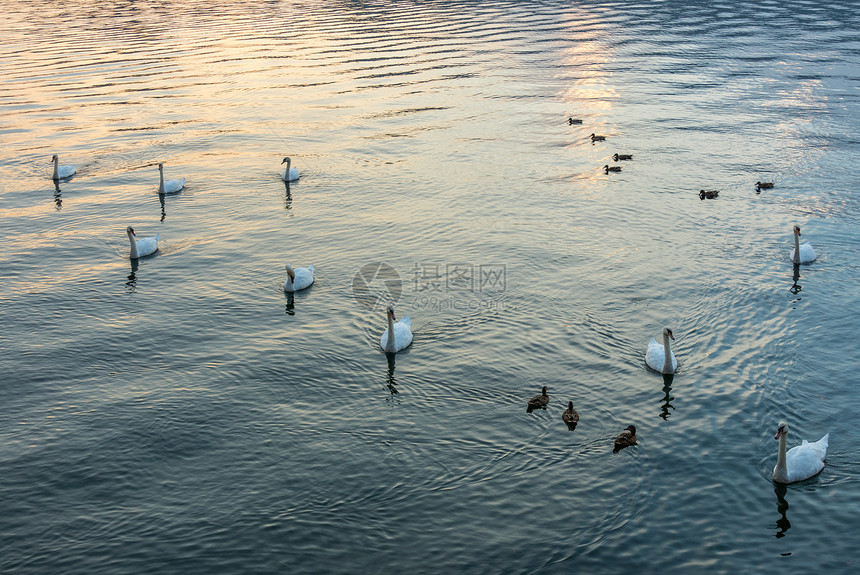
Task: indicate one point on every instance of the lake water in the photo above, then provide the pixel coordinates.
(181, 414)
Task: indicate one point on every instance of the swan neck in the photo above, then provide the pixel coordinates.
(160, 180)
(667, 352)
(133, 243)
(796, 248)
(390, 345)
(781, 469)
(56, 168)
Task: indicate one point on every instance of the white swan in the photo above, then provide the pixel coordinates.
(298, 278)
(807, 254)
(660, 357)
(290, 174)
(61, 171)
(802, 461)
(401, 333)
(169, 186)
(143, 246)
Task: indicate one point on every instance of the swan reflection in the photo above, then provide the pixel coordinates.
(795, 288)
(290, 307)
(390, 381)
(58, 195)
(667, 398)
(131, 284)
(782, 524)
(163, 211)
(288, 197)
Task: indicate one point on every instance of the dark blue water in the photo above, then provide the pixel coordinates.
(182, 414)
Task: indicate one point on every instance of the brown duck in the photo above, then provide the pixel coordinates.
(596, 138)
(626, 438)
(763, 186)
(572, 121)
(570, 416)
(607, 168)
(708, 194)
(539, 401)
(618, 157)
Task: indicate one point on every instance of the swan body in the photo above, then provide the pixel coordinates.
(802, 253)
(400, 331)
(570, 416)
(298, 278)
(168, 186)
(708, 194)
(802, 461)
(539, 401)
(290, 174)
(596, 138)
(607, 168)
(660, 357)
(626, 438)
(572, 121)
(141, 246)
(618, 157)
(61, 171)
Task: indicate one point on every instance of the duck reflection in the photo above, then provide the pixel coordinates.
(288, 197)
(782, 524)
(667, 398)
(390, 382)
(290, 307)
(58, 195)
(163, 211)
(795, 288)
(131, 284)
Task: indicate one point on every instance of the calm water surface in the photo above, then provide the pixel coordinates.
(182, 415)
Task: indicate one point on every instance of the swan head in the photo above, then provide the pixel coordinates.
(54, 158)
(390, 313)
(290, 272)
(796, 230)
(631, 429)
(781, 429)
(130, 231)
(286, 160)
(160, 166)
(667, 331)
